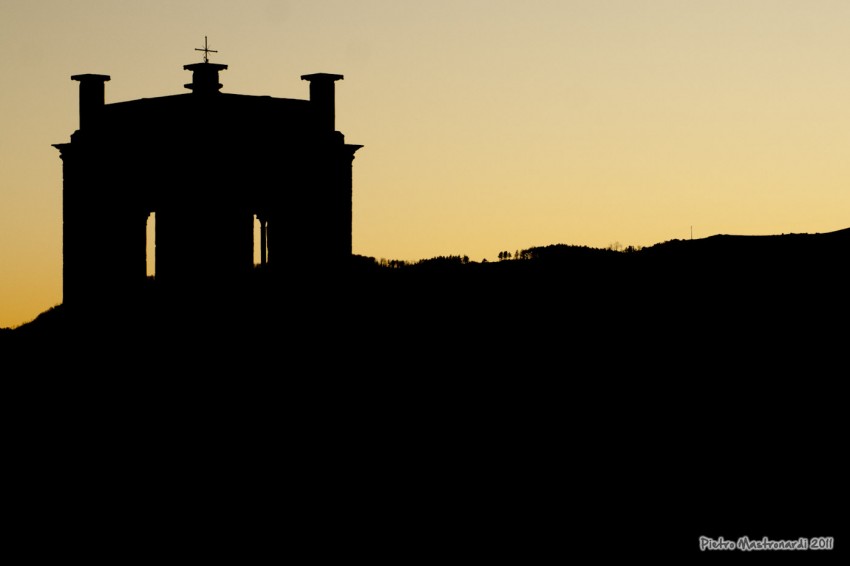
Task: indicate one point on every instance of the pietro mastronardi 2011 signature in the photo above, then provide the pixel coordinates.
(747, 544)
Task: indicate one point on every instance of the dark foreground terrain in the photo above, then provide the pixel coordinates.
(576, 401)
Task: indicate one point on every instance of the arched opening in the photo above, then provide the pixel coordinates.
(260, 241)
(150, 245)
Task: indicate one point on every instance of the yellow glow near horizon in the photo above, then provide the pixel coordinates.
(488, 125)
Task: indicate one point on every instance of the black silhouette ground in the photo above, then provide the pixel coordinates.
(583, 400)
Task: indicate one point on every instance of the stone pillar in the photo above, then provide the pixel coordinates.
(268, 231)
(73, 242)
(262, 241)
(92, 98)
(346, 201)
(322, 97)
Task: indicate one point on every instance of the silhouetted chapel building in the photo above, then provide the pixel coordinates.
(209, 165)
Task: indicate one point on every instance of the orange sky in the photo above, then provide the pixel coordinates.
(488, 124)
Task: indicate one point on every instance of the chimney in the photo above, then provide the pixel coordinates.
(204, 77)
(322, 97)
(91, 98)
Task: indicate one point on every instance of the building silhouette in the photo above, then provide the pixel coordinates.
(209, 165)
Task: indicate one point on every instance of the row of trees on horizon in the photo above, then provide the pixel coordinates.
(533, 253)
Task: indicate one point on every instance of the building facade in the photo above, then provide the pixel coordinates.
(209, 165)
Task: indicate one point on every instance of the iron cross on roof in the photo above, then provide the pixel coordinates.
(206, 51)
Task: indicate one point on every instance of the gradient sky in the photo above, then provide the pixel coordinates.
(488, 125)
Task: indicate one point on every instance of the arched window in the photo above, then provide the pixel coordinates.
(150, 245)
(260, 241)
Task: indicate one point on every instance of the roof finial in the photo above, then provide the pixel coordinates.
(206, 50)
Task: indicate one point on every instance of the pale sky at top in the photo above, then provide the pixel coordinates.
(487, 125)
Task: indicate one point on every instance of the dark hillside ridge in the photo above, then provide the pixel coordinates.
(624, 403)
(783, 273)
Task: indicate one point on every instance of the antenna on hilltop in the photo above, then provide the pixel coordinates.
(206, 50)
